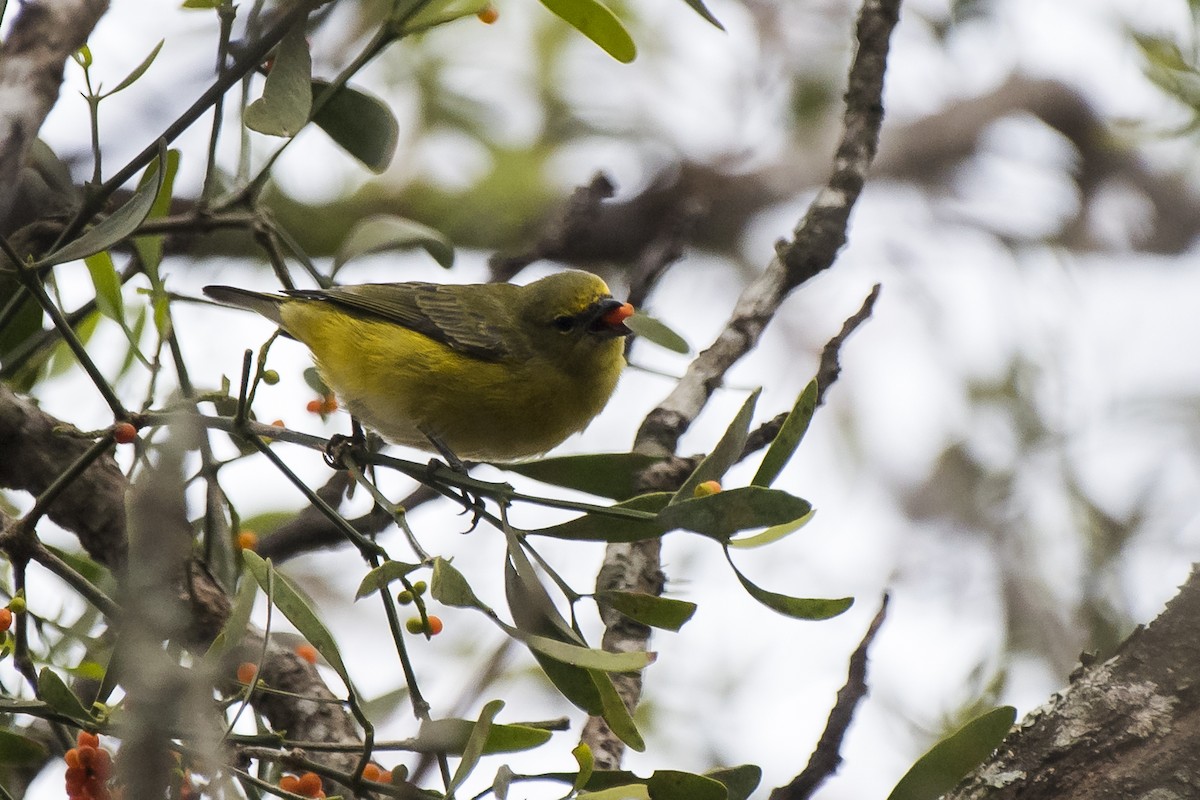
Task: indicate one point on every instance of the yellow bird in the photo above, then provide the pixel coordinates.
(489, 372)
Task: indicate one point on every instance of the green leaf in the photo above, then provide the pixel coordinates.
(789, 436)
(287, 94)
(725, 454)
(361, 125)
(725, 513)
(699, 7)
(628, 791)
(379, 578)
(619, 720)
(474, 747)
(608, 475)
(18, 751)
(649, 609)
(449, 586)
(138, 71)
(587, 764)
(597, 22)
(107, 285)
(669, 784)
(235, 626)
(26, 322)
(656, 331)
(150, 248)
(574, 683)
(532, 609)
(118, 225)
(202, 3)
(740, 782)
(602, 528)
(588, 657)
(451, 736)
(948, 761)
(53, 692)
(795, 607)
(772, 534)
(382, 232)
(292, 604)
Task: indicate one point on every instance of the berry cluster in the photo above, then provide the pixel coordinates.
(324, 406)
(308, 785)
(89, 766)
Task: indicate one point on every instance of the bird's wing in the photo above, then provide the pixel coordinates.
(427, 308)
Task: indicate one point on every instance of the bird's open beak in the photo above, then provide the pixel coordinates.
(608, 317)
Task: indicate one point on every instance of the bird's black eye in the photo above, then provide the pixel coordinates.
(564, 324)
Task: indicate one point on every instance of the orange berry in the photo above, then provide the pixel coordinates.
(385, 776)
(706, 489)
(103, 766)
(289, 783)
(488, 14)
(124, 433)
(247, 540)
(72, 758)
(307, 652)
(435, 625)
(85, 739)
(314, 406)
(246, 672)
(5, 619)
(329, 404)
(372, 772)
(310, 785)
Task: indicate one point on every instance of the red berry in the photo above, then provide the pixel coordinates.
(5, 619)
(85, 739)
(246, 672)
(124, 433)
(289, 783)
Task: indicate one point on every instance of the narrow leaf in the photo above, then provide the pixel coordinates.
(948, 761)
(139, 70)
(587, 764)
(361, 125)
(292, 604)
(53, 692)
(150, 248)
(795, 607)
(588, 657)
(107, 285)
(772, 534)
(608, 475)
(287, 95)
(649, 609)
(725, 513)
(619, 720)
(601, 528)
(382, 232)
(118, 225)
(239, 617)
(451, 736)
(669, 784)
(474, 747)
(597, 22)
(532, 609)
(789, 436)
(726, 452)
(573, 683)
(699, 7)
(381, 577)
(654, 330)
(629, 791)
(449, 586)
(740, 782)
(18, 751)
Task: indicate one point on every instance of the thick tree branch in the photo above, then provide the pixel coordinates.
(42, 38)
(636, 566)
(1127, 727)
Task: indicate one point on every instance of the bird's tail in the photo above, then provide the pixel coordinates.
(258, 302)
